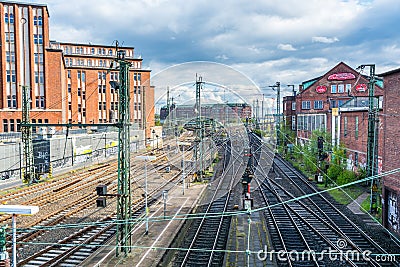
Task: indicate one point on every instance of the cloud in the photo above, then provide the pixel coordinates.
(257, 38)
(326, 40)
(286, 47)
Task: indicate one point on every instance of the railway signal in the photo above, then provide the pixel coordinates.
(101, 191)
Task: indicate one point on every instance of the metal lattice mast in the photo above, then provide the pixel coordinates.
(372, 143)
(124, 212)
(29, 173)
(277, 86)
(199, 131)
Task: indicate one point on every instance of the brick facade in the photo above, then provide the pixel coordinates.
(320, 98)
(391, 128)
(69, 82)
(289, 112)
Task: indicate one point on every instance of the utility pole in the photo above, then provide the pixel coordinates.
(29, 174)
(372, 142)
(199, 131)
(262, 113)
(168, 111)
(277, 88)
(124, 202)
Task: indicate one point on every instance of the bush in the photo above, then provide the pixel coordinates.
(346, 177)
(334, 171)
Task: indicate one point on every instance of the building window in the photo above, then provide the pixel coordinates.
(12, 126)
(341, 88)
(10, 76)
(38, 58)
(69, 74)
(305, 104)
(10, 37)
(84, 112)
(293, 105)
(83, 95)
(79, 91)
(356, 159)
(37, 20)
(10, 56)
(356, 128)
(293, 123)
(69, 106)
(18, 125)
(100, 105)
(333, 88)
(9, 18)
(5, 125)
(110, 52)
(38, 39)
(12, 101)
(137, 76)
(318, 104)
(311, 122)
(348, 87)
(345, 127)
(92, 51)
(79, 108)
(39, 78)
(104, 106)
(40, 101)
(69, 88)
(79, 75)
(340, 102)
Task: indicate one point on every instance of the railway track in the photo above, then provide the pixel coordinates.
(208, 235)
(312, 224)
(71, 199)
(73, 249)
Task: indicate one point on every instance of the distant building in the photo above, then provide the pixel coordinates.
(289, 112)
(217, 111)
(336, 103)
(68, 82)
(391, 151)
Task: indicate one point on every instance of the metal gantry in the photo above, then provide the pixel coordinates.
(29, 171)
(124, 212)
(277, 87)
(198, 149)
(372, 142)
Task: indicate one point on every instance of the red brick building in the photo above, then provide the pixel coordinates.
(391, 151)
(289, 112)
(68, 82)
(337, 102)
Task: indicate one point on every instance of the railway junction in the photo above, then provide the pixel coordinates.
(197, 223)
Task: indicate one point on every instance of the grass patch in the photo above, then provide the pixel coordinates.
(365, 205)
(341, 197)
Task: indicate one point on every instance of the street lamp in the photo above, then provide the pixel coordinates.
(14, 210)
(157, 140)
(146, 158)
(183, 144)
(136, 142)
(153, 132)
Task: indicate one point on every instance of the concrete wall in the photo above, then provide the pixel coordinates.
(76, 150)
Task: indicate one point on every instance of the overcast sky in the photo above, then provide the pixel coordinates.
(288, 40)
